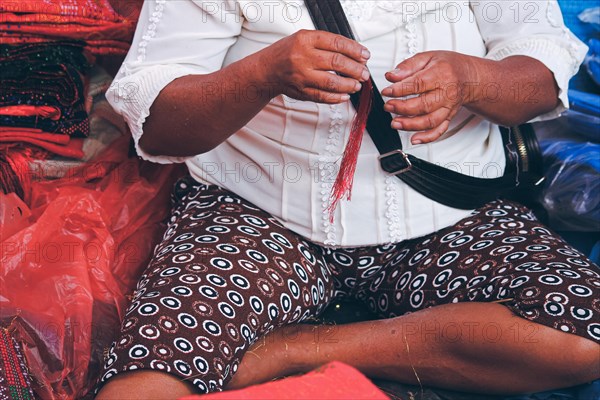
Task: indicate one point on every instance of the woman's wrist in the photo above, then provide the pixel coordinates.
(475, 75)
(265, 70)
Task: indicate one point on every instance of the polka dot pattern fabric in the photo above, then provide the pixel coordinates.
(226, 273)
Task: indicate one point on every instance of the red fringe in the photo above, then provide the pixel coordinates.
(345, 177)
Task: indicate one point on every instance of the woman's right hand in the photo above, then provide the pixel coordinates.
(299, 66)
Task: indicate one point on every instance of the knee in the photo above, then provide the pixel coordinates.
(145, 385)
(581, 361)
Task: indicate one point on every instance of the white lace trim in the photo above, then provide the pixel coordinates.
(150, 30)
(392, 214)
(411, 36)
(392, 202)
(361, 10)
(325, 171)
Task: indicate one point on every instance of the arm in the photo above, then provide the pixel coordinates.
(179, 101)
(522, 88)
(524, 75)
(195, 113)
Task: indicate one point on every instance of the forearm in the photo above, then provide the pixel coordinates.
(195, 113)
(513, 90)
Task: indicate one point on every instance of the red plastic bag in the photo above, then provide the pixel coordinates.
(65, 277)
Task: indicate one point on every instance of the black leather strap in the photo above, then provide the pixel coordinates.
(438, 183)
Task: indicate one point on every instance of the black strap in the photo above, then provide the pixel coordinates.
(435, 182)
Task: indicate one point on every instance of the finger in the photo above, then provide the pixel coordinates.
(421, 82)
(340, 44)
(323, 96)
(333, 83)
(423, 122)
(338, 62)
(409, 67)
(430, 135)
(420, 105)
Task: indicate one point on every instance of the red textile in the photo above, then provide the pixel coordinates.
(15, 383)
(26, 110)
(72, 149)
(335, 380)
(96, 47)
(57, 138)
(106, 26)
(94, 9)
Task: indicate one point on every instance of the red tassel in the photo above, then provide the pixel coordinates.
(345, 177)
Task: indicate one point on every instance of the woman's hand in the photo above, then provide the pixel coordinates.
(507, 92)
(299, 66)
(438, 84)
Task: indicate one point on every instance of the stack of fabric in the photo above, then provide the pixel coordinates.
(42, 106)
(46, 49)
(103, 28)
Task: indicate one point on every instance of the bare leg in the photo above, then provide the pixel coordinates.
(145, 385)
(473, 347)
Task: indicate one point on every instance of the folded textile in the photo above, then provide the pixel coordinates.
(53, 72)
(72, 149)
(15, 382)
(65, 9)
(28, 111)
(76, 125)
(38, 134)
(95, 47)
(43, 87)
(104, 29)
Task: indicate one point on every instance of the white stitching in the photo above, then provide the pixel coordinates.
(333, 143)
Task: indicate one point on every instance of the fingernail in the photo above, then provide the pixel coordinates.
(365, 74)
(388, 107)
(387, 91)
(395, 72)
(397, 125)
(345, 97)
(357, 86)
(417, 141)
(366, 54)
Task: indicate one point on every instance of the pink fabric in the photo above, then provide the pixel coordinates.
(335, 380)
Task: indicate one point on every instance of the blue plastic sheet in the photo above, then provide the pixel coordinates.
(592, 60)
(572, 191)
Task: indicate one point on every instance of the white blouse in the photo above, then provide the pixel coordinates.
(284, 160)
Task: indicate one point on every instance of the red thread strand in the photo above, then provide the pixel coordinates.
(345, 177)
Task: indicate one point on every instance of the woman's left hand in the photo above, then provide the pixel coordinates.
(439, 83)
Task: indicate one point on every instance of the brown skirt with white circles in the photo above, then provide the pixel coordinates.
(227, 272)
